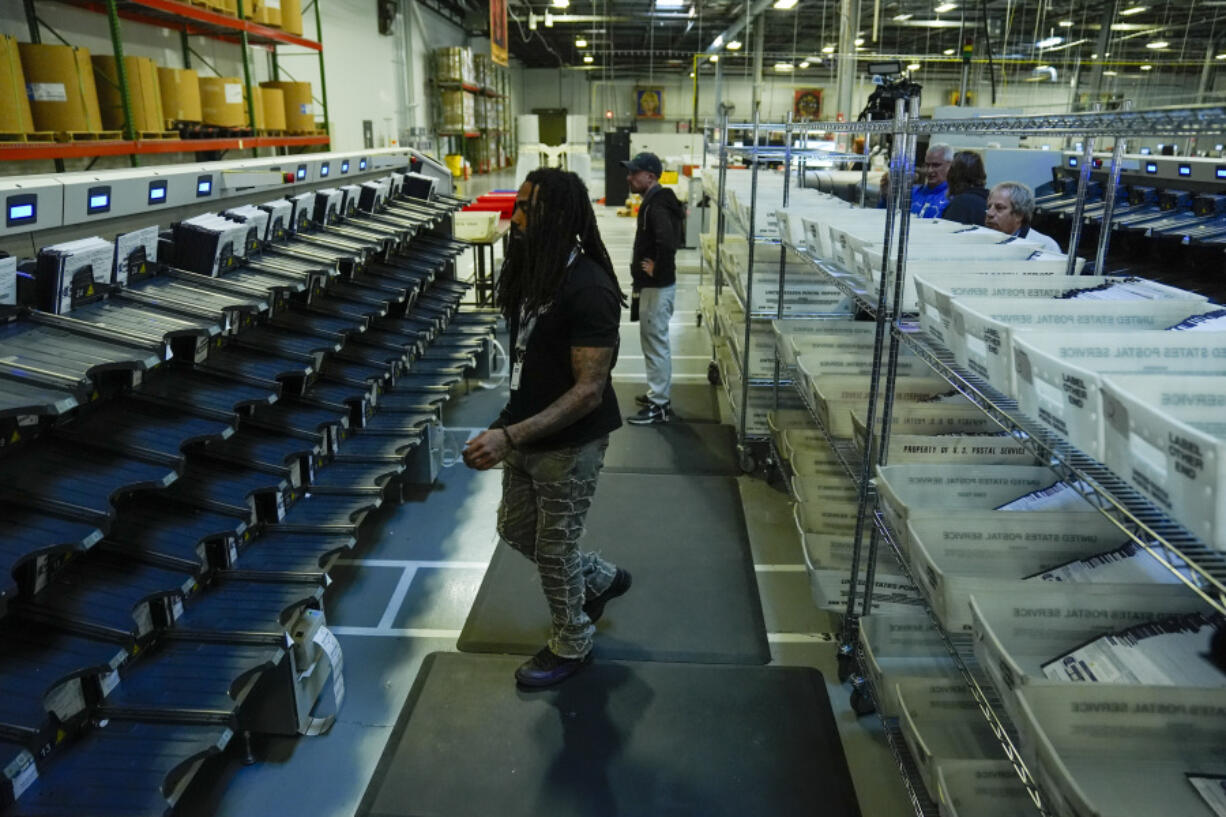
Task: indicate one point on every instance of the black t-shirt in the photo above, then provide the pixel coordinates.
(586, 312)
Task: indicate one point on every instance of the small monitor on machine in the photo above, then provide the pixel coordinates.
(344, 167)
(204, 186)
(324, 169)
(98, 200)
(1151, 167)
(301, 173)
(21, 210)
(157, 192)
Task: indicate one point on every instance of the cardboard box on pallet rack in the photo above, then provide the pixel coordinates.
(144, 93)
(180, 89)
(222, 102)
(15, 116)
(60, 86)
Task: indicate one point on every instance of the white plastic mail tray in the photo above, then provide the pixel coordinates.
(475, 225)
(1058, 379)
(788, 333)
(805, 294)
(955, 556)
(941, 723)
(936, 293)
(892, 593)
(1124, 751)
(779, 422)
(900, 647)
(916, 491)
(1017, 629)
(960, 417)
(846, 355)
(1166, 435)
(808, 441)
(944, 447)
(824, 551)
(831, 512)
(982, 788)
(986, 325)
(991, 260)
(836, 396)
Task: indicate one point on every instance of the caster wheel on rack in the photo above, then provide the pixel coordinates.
(846, 663)
(713, 373)
(861, 702)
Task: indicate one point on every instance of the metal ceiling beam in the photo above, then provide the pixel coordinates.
(729, 34)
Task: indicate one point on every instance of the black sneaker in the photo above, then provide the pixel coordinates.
(594, 607)
(650, 415)
(642, 399)
(546, 668)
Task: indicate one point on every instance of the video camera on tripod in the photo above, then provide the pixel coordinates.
(892, 85)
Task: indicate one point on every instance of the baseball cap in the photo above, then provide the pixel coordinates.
(645, 161)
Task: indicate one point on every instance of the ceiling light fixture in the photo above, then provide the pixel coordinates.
(1066, 24)
(588, 58)
(803, 64)
(949, 52)
(718, 41)
(713, 58)
(859, 41)
(1048, 42)
(1157, 44)
(1220, 57)
(561, 4)
(828, 49)
(691, 75)
(1128, 12)
(670, 4)
(1109, 73)
(915, 66)
(944, 7)
(1147, 67)
(783, 66)
(902, 18)
(735, 45)
(580, 43)
(785, 5)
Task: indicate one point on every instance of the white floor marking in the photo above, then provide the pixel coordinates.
(800, 638)
(397, 599)
(412, 632)
(779, 568)
(406, 564)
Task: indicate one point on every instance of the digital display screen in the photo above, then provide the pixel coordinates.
(1072, 161)
(1185, 170)
(204, 186)
(362, 164)
(301, 172)
(345, 166)
(323, 169)
(97, 200)
(1146, 151)
(21, 212)
(1151, 167)
(1221, 171)
(21, 209)
(157, 192)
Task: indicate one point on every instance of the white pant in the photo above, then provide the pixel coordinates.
(655, 313)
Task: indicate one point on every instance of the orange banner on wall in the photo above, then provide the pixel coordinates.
(498, 31)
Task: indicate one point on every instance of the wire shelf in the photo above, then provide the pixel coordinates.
(961, 650)
(1199, 566)
(850, 284)
(845, 451)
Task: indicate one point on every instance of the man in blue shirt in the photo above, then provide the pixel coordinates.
(928, 200)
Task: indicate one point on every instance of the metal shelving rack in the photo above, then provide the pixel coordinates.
(750, 444)
(1199, 566)
(188, 20)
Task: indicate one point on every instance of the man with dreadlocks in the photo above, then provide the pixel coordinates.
(559, 294)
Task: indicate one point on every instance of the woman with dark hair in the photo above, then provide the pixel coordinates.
(968, 198)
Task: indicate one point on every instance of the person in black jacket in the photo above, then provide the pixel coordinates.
(653, 269)
(968, 198)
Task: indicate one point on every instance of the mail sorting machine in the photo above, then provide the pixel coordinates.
(196, 421)
(1168, 211)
